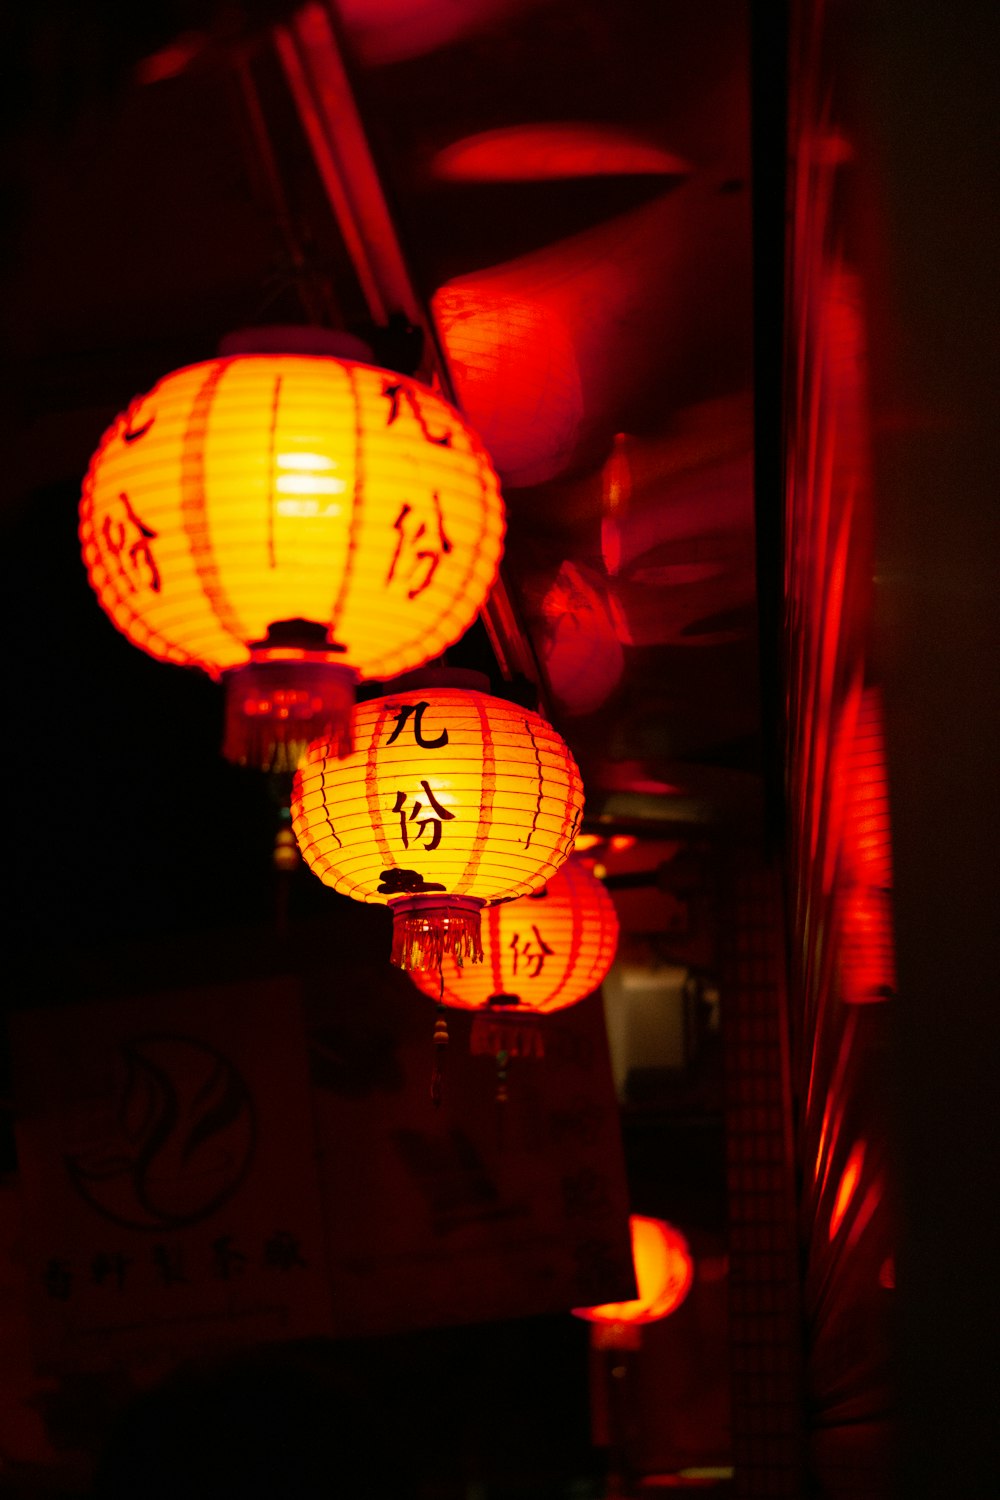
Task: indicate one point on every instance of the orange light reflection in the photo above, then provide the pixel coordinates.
(848, 1187)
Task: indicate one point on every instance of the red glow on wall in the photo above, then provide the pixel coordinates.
(867, 947)
(849, 1180)
(868, 847)
(549, 152)
(864, 901)
(866, 1212)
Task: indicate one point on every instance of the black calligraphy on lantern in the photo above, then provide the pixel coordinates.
(283, 1251)
(227, 1261)
(57, 1280)
(429, 824)
(397, 394)
(530, 950)
(169, 1265)
(421, 543)
(108, 1269)
(584, 1195)
(417, 710)
(127, 540)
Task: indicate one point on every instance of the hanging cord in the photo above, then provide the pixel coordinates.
(503, 1063)
(440, 1040)
(503, 1057)
(286, 853)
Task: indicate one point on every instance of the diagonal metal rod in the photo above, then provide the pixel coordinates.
(310, 55)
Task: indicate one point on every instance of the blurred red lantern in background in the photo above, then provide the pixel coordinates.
(514, 368)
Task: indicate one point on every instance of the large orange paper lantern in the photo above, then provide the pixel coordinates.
(540, 953)
(664, 1272)
(452, 800)
(291, 523)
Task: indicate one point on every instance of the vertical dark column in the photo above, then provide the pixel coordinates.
(765, 1318)
(768, 144)
(927, 85)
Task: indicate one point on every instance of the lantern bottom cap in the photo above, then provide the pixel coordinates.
(278, 703)
(425, 928)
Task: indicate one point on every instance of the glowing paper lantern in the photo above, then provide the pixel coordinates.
(664, 1272)
(291, 523)
(540, 953)
(451, 801)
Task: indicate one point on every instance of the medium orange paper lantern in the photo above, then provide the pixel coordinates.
(664, 1272)
(540, 953)
(291, 523)
(451, 801)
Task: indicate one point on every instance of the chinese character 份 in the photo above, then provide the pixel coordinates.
(433, 821)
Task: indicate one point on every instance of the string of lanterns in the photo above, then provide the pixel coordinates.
(294, 522)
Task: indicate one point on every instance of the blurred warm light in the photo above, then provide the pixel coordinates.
(864, 895)
(585, 841)
(451, 800)
(541, 953)
(664, 1272)
(849, 1180)
(257, 502)
(620, 842)
(515, 371)
(554, 151)
(581, 636)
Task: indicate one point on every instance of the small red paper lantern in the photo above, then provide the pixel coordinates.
(541, 953)
(451, 801)
(290, 523)
(664, 1272)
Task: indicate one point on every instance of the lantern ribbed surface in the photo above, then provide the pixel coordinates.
(258, 489)
(664, 1272)
(449, 796)
(540, 953)
(868, 844)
